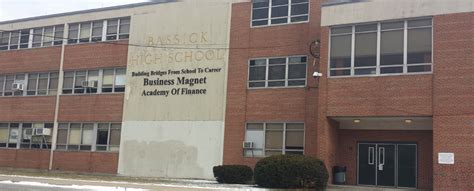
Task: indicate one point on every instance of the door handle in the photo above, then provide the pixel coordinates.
(381, 157)
(371, 158)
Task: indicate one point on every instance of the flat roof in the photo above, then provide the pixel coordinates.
(152, 2)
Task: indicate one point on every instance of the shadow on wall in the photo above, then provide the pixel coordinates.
(170, 159)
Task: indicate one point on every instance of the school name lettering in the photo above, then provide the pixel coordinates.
(169, 82)
(177, 48)
(179, 81)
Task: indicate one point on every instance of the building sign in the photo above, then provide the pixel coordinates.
(446, 158)
(174, 103)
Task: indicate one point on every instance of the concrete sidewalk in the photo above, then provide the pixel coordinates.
(19, 179)
(80, 181)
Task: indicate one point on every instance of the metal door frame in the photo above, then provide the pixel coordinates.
(396, 144)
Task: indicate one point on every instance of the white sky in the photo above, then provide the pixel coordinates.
(17, 9)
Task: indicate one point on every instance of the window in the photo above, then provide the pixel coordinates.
(75, 136)
(277, 72)
(274, 138)
(42, 83)
(108, 137)
(30, 141)
(113, 80)
(41, 37)
(118, 28)
(20, 135)
(33, 84)
(89, 136)
(354, 49)
(93, 31)
(273, 12)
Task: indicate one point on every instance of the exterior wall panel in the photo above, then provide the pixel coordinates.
(96, 55)
(453, 116)
(27, 109)
(268, 104)
(91, 108)
(30, 60)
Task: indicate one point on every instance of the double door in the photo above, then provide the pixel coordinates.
(387, 164)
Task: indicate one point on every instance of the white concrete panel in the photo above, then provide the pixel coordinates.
(379, 10)
(174, 149)
(175, 92)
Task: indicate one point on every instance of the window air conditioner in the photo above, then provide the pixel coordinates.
(247, 145)
(17, 87)
(90, 84)
(43, 131)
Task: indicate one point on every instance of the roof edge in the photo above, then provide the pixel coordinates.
(153, 2)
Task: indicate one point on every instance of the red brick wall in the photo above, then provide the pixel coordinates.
(94, 162)
(95, 55)
(266, 105)
(30, 60)
(91, 108)
(405, 95)
(24, 158)
(347, 150)
(453, 109)
(27, 109)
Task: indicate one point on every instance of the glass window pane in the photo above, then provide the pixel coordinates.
(295, 126)
(62, 136)
(257, 73)
(85, 32)
(259, 23)
(419, 23)
(422, 68)
(3, 135)
(365, 71)
(120, 77)
(279, 2)
(392, 25)
(14, 134)
(254, 126)
(75, 134)
(274, 140)
(365, 49)
(391, 70)
(294, 140)
(274, 126)
(296, 71)
(276, 72)
(341, 51)
(299, 9)
(87, 134)
(419, 46)
(366, 28)
(273, 61)
(48, 36)
(280, 11)
(340, 72)
(260, 3)
(259, 62)
(260, 13)
(112, 26)
(256, 84)
(391, 47)
(341, 30)
(115, 137)
(102, 136)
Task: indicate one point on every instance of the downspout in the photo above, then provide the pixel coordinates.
(58, 95)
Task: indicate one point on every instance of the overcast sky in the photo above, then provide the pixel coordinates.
(17, 9)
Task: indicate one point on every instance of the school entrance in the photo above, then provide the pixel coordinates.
(387, 164)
